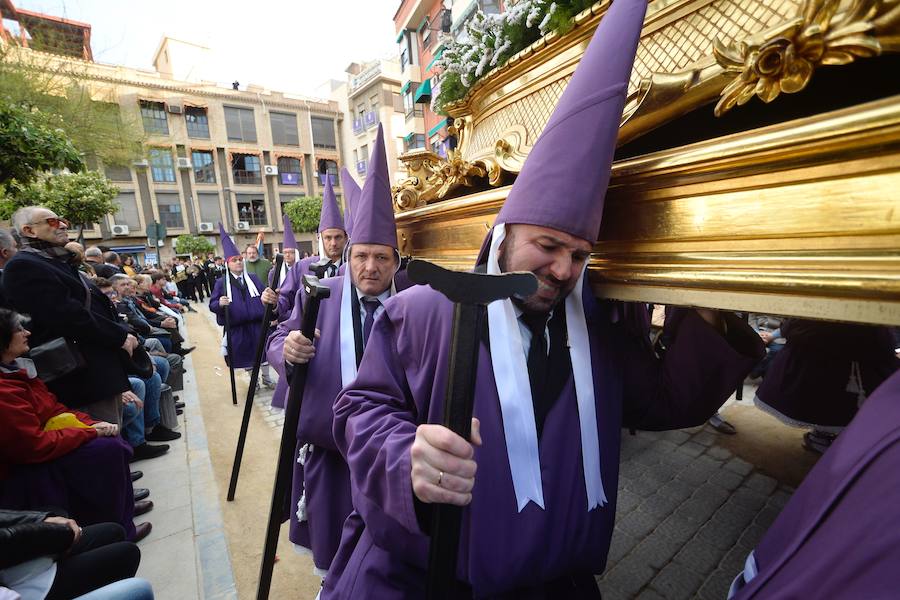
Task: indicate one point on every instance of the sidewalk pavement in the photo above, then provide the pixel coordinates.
(185, 557)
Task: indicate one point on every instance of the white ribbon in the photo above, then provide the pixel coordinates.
(514, 390)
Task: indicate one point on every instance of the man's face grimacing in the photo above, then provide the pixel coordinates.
(372, 267)
(290, 256)
(236, 265)
(333, 241)
(46, 226)
(555, 257)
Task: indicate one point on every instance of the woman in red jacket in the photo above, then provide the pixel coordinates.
(51, 455)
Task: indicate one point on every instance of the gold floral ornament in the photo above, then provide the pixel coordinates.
(785, 62)
(432, 177)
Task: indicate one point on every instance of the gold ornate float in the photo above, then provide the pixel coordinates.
(800, 216)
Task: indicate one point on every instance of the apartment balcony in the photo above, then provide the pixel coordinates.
(361, 166)
(371, 119)
(243, 177)
(358, 127)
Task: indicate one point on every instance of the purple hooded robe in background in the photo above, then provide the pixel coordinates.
(245, 315)
(401, 383)
(839, 535)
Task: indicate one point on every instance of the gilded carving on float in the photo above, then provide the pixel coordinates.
(433, 177)
(785, 60)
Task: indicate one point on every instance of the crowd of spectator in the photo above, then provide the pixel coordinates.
(91, 362)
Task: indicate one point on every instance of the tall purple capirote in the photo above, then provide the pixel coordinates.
(351, 197)
(330, 217)
(289, 240)
(563, 182)
(373, 222)
(229, 249)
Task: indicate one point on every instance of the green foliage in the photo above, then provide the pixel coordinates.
(82, 198)
(32, 141)
(61, 88)
(304, 213)
(491, 40)
(193, 244)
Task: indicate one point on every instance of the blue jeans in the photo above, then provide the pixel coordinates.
(148, 390)
(163, 368)
(132, 589)
(133, 417)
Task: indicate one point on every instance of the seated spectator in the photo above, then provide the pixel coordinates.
(111, 265)
(129, 267)
(146, 318)
(8, 249)
(49, 557)
(51, 455)
(93, 257)
(43, 281)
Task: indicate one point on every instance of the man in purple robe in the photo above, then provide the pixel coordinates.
(839, 535)
(332, 238)
(243, 294)
(558, 375)
(333, 235)
(321, 487)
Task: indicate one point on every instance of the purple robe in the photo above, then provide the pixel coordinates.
(245, 315)
(324, 475)
(504, 553)
(92, 484)
(839, 535)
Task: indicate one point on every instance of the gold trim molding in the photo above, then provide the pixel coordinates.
(801, 218)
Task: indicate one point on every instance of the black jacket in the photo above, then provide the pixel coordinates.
(51, 292)
(107, 270)
(24, 536)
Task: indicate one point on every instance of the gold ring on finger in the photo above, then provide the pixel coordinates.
(440, 477)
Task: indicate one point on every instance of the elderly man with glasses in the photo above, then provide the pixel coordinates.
(43, 281)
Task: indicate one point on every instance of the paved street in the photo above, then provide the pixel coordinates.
(689, 513)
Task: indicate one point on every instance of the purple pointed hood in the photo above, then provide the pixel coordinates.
(351, 196)
(563, 182)
(289, 240)
(373, 222)
(331, 214)
(228, 247)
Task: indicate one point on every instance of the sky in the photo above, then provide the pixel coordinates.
(284, 45)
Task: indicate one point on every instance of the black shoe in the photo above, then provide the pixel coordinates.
(179, 405)
(721, 425)
(191, 309)
(162, 434)
(145, 451)
(142, 507)
(185, 351)
(179, 412)
(135, 475)
(140, 494)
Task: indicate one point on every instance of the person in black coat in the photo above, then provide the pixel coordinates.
(8, 249)
(41, 281)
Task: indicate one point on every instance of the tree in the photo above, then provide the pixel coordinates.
(193, 244)
(62, 87)
(82, 198)
(304, 213)
(32, 141)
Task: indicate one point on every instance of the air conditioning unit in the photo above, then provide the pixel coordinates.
(206, 227)
(120, 230)
(141, 163)
(184, 163)
(243, 226)
(271, 170)
(175, 109)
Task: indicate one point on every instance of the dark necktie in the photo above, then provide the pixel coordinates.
(370, 306)
(537, 365)
(332, 269)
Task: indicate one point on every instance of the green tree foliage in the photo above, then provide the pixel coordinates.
(82, 198)
(304, 213)
(91, 120)
(32, 141)
(193, 244)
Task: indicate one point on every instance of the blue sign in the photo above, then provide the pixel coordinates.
(290, 178)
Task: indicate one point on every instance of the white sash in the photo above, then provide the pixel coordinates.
(514, 390)
(251, 287)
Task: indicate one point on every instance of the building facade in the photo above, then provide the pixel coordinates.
(371, 96)
(211, 154)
